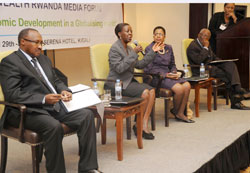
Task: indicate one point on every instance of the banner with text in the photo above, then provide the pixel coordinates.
(62, 25)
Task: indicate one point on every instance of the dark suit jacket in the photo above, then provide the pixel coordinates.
(21, 84)
(197, 55)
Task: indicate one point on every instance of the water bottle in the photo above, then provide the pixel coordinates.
(185, 71)
(95, 88)
(202, 70)
(118, 89)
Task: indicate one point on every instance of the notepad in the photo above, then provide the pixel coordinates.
(83, 96)
(126, 101)
(223, 60)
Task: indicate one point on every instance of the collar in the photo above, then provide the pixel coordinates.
(199, 42)
(26, 55)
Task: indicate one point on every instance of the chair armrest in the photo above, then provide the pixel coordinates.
(22, 108)
(147, 77)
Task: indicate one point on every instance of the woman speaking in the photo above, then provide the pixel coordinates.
(122, 61)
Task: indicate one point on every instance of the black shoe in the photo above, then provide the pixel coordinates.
(149, 136)
(144, 134)
(240, 91)
(135, 130)
(236, 98)
(240, 106)
(186, 121)
(173, 112)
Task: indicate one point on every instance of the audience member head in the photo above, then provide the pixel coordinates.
(30, 41)
(159, 34)
(204, 35)
(229, 8)
(123, 31)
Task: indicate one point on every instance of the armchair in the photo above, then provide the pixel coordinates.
(21, 134)
(216, 83)
(100, 70)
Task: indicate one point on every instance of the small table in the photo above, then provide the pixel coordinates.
(119, 113)
(206, 83)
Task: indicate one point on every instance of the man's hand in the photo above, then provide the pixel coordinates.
(66, 96)
(204, 42)
(52, 98)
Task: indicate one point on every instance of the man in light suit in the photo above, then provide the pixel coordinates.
(27, 78)
(199, 51)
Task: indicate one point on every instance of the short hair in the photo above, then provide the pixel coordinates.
(160, 27)
(24, 33)
(119, 28)
(228, 3)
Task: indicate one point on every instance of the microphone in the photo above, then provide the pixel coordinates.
(136, 43)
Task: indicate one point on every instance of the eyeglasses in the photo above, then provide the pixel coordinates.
(160, 34)
(36, 42)
(205, 35)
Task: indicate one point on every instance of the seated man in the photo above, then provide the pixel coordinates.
(199, 52)
(27, 78)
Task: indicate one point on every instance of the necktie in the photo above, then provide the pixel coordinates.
(34, 61)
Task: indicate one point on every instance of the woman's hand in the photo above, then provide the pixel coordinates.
(173, 75)
(158, 46)
(233, 16)
(138, 49)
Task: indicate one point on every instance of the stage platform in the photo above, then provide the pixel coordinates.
(180, 148)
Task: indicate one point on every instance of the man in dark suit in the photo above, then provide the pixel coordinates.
(199, 52)
(27, 78)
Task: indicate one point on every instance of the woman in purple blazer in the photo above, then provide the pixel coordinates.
(164, 64)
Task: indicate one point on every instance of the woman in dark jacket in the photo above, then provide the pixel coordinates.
(221, 21)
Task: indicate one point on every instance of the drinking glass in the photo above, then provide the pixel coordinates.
(107, 95)
(106, 98)
(207, 73)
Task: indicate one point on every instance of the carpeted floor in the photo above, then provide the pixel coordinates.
(180, 148)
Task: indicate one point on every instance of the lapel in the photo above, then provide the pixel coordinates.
(124, 53)
(27, 63)
(119, 43)
(32, 69)
(46, 68)
(209, 49)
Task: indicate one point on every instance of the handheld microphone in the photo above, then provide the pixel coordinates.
(136, 43)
